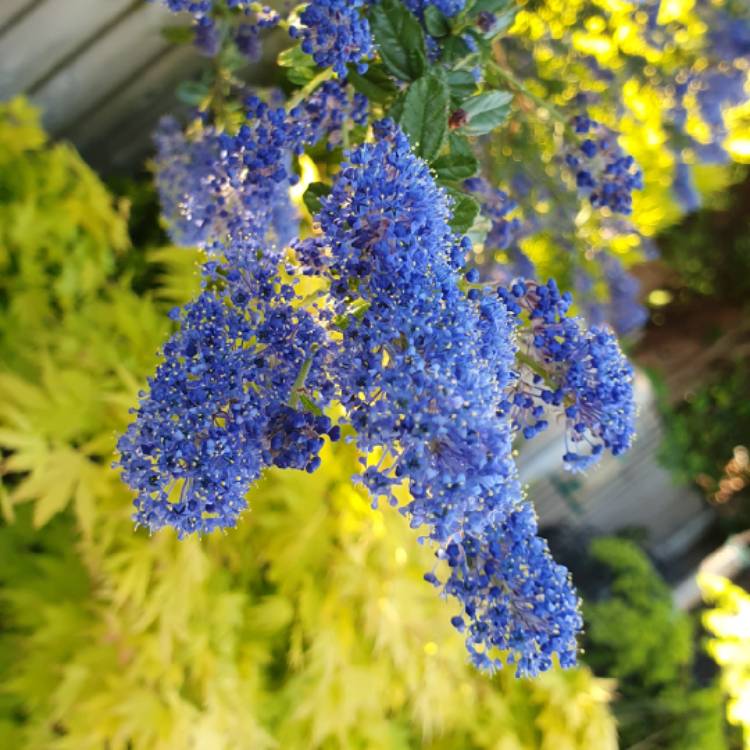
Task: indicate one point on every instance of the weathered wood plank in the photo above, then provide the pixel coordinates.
(40, 42)
(136, 97)
(9, 9)
(102, 67)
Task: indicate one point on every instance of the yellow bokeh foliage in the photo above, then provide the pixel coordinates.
(728, 622)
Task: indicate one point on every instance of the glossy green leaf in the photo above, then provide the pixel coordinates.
(486, 111)
(462, 85)
(425, 116)
(459, 163)
(375, 84)
(399, 39)
(465, 210)
(315, 191)
(435, 22)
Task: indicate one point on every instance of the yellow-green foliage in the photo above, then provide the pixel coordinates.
(308, 627)
(729, 624)
(558, 33)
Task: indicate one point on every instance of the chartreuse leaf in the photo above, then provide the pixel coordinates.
(315, 191)
(300, 67)
(459, 163)
(399, 39)
(486, 111)
(424, 117)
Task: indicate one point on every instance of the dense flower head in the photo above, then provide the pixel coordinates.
(421, 365)
(572, 369)
(327, 110)
(229, 381)
(422, 368)
(514, 597)
(194, 447)
(335, 33)
(216, 187)
(603, 172)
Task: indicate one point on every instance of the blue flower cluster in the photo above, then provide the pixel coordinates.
(419, 355)
(574, 370)
(244, 27)
(515, 598)
(216, 187)
(422, 370)
(192, 451)
(224, 402)
(602, 171)
(327, 110)
(336, 34)
(421, 366)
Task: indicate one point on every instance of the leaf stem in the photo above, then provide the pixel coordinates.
(309, 87)
(299, 382)
(510, 78)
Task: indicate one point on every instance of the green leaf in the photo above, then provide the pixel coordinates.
(397, 108)
(375, 84)
(465, 210)
(486, 112)
(459, 164)
(425, 116)
(399, 38)
(300, 66)
(503, 21)
(461, 84)
(455, 49)
(491, 6)
(435, 22)
(315, 191)
(192, 93)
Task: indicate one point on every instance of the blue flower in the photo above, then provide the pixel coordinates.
(217, 187)
(327, 110)
(222, 405)
(422, 366)
(243, 27)
(422, 370)
(514, 597)
(570, 369)
(448, 8)
(602, 171)
(335, 33)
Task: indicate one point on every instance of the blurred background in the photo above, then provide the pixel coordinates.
(310, 626)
